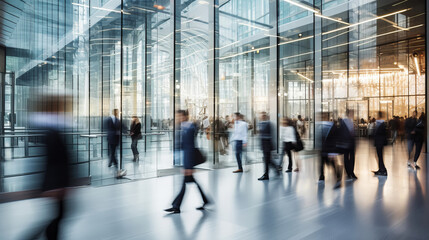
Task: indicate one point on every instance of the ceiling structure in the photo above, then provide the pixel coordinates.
(10, 13)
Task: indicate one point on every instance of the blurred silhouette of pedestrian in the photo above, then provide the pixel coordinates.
(419, 137)
(187, 141)
(266, 138)
(113, 126)
(51, 115)
(347, 144)
(136, 135)
(380, 140)
(410, 125)
(329, 152)
(239, 137)
(288, 138)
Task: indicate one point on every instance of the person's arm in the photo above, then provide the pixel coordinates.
(245, 134)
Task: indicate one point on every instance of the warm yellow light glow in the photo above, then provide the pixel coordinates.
(416, 62)
(306, 78)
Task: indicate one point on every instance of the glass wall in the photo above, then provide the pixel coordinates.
(149, 58)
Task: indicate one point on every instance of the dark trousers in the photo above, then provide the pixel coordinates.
(349, 161)
(266, 151)
(379, 149)
(239, 153)
(51, 231)
(112, 154)
(287, 149)
(419, 145)
(53, 228)
(326, 161)
(134, 143)
(178, 200)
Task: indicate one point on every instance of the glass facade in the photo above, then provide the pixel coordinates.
(212, 57)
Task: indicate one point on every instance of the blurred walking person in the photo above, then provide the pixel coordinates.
(347, 143)
(288, 138)
(51, 116)
(410, 125)
(187, 143)
(113, 127)
(136, 135)
(266, 138)
(329, 151)
(239, 137)
(380, 140)
(419, 138)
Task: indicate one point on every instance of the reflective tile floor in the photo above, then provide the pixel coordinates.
(292, 206)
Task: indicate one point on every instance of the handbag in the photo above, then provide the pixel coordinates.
(199, 157)
(299, 145)
(140, 136)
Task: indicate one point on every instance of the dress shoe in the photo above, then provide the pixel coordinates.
(337, 185)
(238, 171)
(416, 166)
(296, 170)
(380, 173)
(354, 177)
(203, 207)
(172, 210)
(264, 177)
(321, 178)
(289, 170)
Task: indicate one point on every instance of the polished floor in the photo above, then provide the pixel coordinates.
(292, 206)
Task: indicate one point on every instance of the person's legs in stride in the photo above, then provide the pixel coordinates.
(178, 200)
(112, 149)
(381, 166)
(410, 146)
(323, 160)
(52, 231)
(352, 163)
(203, 196)
(289, 155)
(238, 153)
(419, 145)
(346, 161)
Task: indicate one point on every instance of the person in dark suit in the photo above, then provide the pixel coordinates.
(380, 140)
(266, 138)
(113, 127)
(49, 116)
(136, 135)
(410, 125)
(329, 151)
(187, 140)
(419, 138)
(347, 144)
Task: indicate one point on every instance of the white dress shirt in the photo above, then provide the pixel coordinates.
(240, 131)
(287, 134)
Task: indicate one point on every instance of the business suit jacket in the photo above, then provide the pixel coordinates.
(187, 139)
(329, 138)
(265, 136)
(380, 136)
(346, 139)
(57, 171)
(113, 130)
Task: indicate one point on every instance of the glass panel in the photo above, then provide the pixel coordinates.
(243, 67)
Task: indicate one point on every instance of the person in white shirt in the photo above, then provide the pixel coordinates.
(288, 138)
(239, 137)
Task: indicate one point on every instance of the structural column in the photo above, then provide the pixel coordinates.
(273, 83)
(213, 70)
